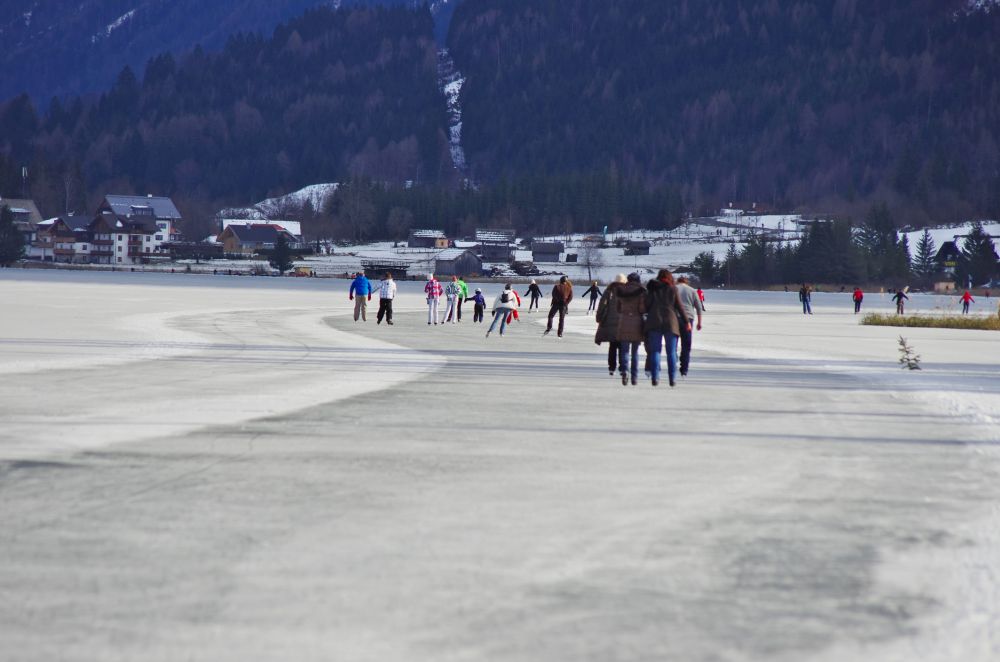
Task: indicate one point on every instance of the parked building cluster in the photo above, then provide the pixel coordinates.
(129, 230)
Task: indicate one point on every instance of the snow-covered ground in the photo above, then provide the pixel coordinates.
(212, 468)
(950, 233)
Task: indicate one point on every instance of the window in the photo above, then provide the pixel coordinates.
(119, 250)
(119, 237)
(159, 237)
(148, 238)
(119, 259)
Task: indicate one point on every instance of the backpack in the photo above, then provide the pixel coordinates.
(505, 297)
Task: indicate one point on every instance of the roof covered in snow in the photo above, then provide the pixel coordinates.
(127, 205)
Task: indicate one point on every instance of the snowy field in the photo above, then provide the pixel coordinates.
(214, 468)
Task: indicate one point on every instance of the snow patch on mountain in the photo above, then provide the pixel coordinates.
(113, 25)
(982, 5)
(317, 195)
(451, 81)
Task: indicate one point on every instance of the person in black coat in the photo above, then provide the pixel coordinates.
(595, 294)
(534, 293)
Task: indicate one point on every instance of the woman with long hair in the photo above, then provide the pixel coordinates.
(664, 317)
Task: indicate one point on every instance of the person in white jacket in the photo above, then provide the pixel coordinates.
(386, 293)
(452, 293)
(505, 302)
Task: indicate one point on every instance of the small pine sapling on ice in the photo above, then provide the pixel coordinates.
(908, 359)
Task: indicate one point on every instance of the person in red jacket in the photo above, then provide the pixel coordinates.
(966, 300)
(513, 314)
(858, 297)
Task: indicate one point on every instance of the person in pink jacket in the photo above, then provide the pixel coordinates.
(433, 290)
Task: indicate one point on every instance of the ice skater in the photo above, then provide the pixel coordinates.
(433, 290)
(595, 295)
(535, 293)
(479, 306)
(693, 309)
(386, 293)
(805, 296)
(701, 297)
(452, 294)
(505, 302)
(858, 297)
(562, 294)
(664, 317)
(360, 293)
(899, 297)
(607, 322)
(630, 302)
(966, 300)
(462, 296)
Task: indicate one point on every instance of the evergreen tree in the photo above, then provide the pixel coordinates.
(731, 264)
(11, 239)
(705, 267)
(880, 240)
(924, 265)
(281, 256)
(901, 259)
(978, 261)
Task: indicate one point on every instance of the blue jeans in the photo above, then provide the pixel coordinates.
(806, 307)
(500, 315)
(655, 341)
(623, 363)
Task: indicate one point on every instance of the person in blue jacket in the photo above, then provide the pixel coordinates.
(480, 306)
(361, 294)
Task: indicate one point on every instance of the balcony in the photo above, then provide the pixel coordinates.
(102, 242)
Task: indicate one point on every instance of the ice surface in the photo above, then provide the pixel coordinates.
(214, 468)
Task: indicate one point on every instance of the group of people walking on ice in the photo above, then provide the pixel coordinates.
(659, 316)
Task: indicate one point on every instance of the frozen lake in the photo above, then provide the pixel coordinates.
(231, 468)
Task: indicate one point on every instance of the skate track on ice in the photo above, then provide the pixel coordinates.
(223, 472)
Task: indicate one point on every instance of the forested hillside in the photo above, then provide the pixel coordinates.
(52, 48)
(330, 94)
(818, 104)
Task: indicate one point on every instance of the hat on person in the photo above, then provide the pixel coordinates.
(620, 278)
(634, 277)
(478, 290)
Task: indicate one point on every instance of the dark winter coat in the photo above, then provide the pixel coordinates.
(562, 293)
(607, 315)
(631, 304)
(533, 291)
(664, 312)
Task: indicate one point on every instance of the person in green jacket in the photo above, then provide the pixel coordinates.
(463, 295)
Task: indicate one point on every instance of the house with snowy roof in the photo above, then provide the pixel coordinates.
(495, 245)
(137, 238)
(64, 238)
(249, 239)
(427, 239)
(457, 262)
(294, 228)
(26, 218)
(161, 209)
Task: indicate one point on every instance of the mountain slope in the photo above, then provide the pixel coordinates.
(330, 94)
(825, 103)
(57, 47)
